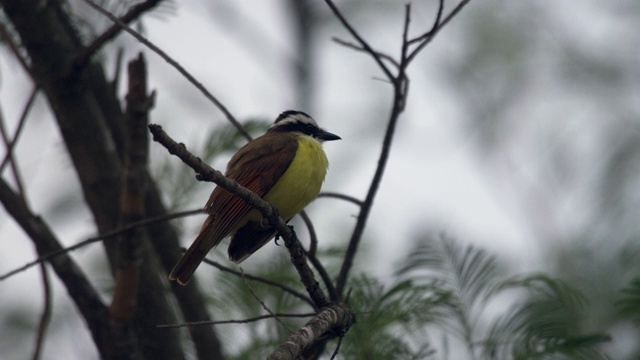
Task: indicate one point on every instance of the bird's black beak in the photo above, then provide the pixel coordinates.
(326, 136)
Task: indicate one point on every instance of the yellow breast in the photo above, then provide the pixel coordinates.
(301, 183)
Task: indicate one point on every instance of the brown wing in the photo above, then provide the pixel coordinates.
(256, 166)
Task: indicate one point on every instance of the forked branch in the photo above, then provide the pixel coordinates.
(400, 83)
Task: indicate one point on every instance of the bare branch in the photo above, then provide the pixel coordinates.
(21, 122)
(337, 350)
(437, 26)
(313, 237)
(14, 164)
(345, 197)
(104, 236)
(311, 256)
(109, 342)
(276, 284)
(264, 306)
(241, 321)
(132, 205)
(133, 14)
(336, 318)
(326, 279)
(5, 37)
(45, 318)
(175, 64)
(361, 49)
(365, 45)
(205, 172)
(401, 88)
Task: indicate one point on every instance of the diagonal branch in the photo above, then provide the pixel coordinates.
(205, 172)
(240, 321)
(426, 38)
(21, 122)
(273, 283)
(14, 164)
(133, 14)
(400, 87)
(336, 318)
(365, 45)
(175, 64)
(107, 235)
(110, 343)
(45, 318)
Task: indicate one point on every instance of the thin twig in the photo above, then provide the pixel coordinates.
(361, 49)
(46, 313)
(264, 306)
(133, 14)
(14, 164)
(6, 38)
(397, 108)
(240, 321)
(337, 350)
(86, 298)
(434, 27)
(345, 197)
(437, 26)
(21, 122)
(273, 283)
(324, 275)
(357, 36)
(401, 88)
(311, 255)
(313, 237)
(104, 236)
(175, 64)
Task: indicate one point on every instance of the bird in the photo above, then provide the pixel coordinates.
(286, 167)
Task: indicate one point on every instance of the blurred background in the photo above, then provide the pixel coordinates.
(521, 136)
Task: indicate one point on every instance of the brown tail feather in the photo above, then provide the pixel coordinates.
(188, 264)
(191, 259)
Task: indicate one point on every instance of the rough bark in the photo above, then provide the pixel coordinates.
(91, 124)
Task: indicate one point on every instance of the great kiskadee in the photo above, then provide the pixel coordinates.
(286, 167)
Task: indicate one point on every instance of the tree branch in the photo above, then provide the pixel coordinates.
(241, 321)
(400, 87)
(21, 122)
(344, 197)
(133, 14)
(111, 344)
(45, 318)
(336, 319)
(275, 284)
(105, 236)
(132, 205)
(176, 65)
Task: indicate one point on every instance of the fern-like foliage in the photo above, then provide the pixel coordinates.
(545, 325)
(541, 316)
(467, 276)
(629, 301)
(391, 319)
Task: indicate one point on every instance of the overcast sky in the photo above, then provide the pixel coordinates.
(492, 111)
